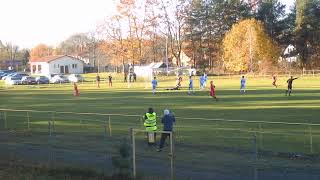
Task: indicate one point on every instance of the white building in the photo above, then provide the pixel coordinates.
(184, 59)
(61, 64)
(288, 54)
(153, 68)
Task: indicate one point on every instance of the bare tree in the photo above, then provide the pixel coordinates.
(11, 51)
(114, 44)
(174, 18)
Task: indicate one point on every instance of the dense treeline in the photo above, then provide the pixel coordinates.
(222, 35)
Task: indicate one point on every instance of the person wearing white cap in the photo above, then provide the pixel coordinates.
(167, 120)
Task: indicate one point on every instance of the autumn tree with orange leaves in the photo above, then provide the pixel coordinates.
(40, 51)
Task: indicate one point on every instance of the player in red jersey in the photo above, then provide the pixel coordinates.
(212, 91)
(274, 82)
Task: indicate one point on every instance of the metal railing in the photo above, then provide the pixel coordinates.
(100, 134)
(106, 121)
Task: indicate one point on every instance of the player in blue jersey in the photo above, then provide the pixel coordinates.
(190, 86)
(154, 84)
(242, 85)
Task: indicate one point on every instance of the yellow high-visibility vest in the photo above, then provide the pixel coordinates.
(151, 122)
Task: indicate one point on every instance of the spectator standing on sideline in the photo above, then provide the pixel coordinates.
(98, 80)
(150, 123)
(167, 120)
(110, 80)
(134, 77)
(125, 77)
(130, 77)
(154, 84)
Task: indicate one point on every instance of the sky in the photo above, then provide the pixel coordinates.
(27, 23)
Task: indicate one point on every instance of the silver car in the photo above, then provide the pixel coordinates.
(75, 78)
(59, 79)
(14, 80)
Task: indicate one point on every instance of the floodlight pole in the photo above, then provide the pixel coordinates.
(250, 49)
(167, 61)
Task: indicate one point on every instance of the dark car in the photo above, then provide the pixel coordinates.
(42, 80)
(28, 80)
(21, 74)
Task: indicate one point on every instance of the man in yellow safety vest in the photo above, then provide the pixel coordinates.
(150, 122)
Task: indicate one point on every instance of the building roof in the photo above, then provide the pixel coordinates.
(52, 58)
(156, 65)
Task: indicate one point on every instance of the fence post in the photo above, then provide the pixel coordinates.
(255, 149)
(217, 126)
(53, 121)
(105, 128)
(1, 116)
(109, 126)
(133, 144)
(311, 139)
(172, 156)
(28, 120)
(5, 120)
(260, 136)
(49, 128)
(141, 119)
(255, 156)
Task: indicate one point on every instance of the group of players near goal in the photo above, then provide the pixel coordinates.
(202, 80)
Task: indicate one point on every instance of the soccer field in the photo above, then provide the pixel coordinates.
(207, 132)
(262, 102)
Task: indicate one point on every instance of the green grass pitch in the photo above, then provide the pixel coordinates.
(196, 135)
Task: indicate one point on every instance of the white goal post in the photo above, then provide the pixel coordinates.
(133, 145)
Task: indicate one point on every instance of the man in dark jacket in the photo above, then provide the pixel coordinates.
(289, 81)
(167, 120)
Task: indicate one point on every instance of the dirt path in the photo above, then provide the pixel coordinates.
(221, 164)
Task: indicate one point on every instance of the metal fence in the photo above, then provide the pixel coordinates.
(204, 148)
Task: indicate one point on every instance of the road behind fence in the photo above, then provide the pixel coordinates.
(204, 148)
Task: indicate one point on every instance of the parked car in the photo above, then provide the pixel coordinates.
(75, 78)
(42, 80)
(8, 75)
(3, 74)
(15, 80)
(28, 80)
(59, 79)
(15, 74)
(21, 74)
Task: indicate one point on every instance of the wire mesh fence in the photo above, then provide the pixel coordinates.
(204, 148)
